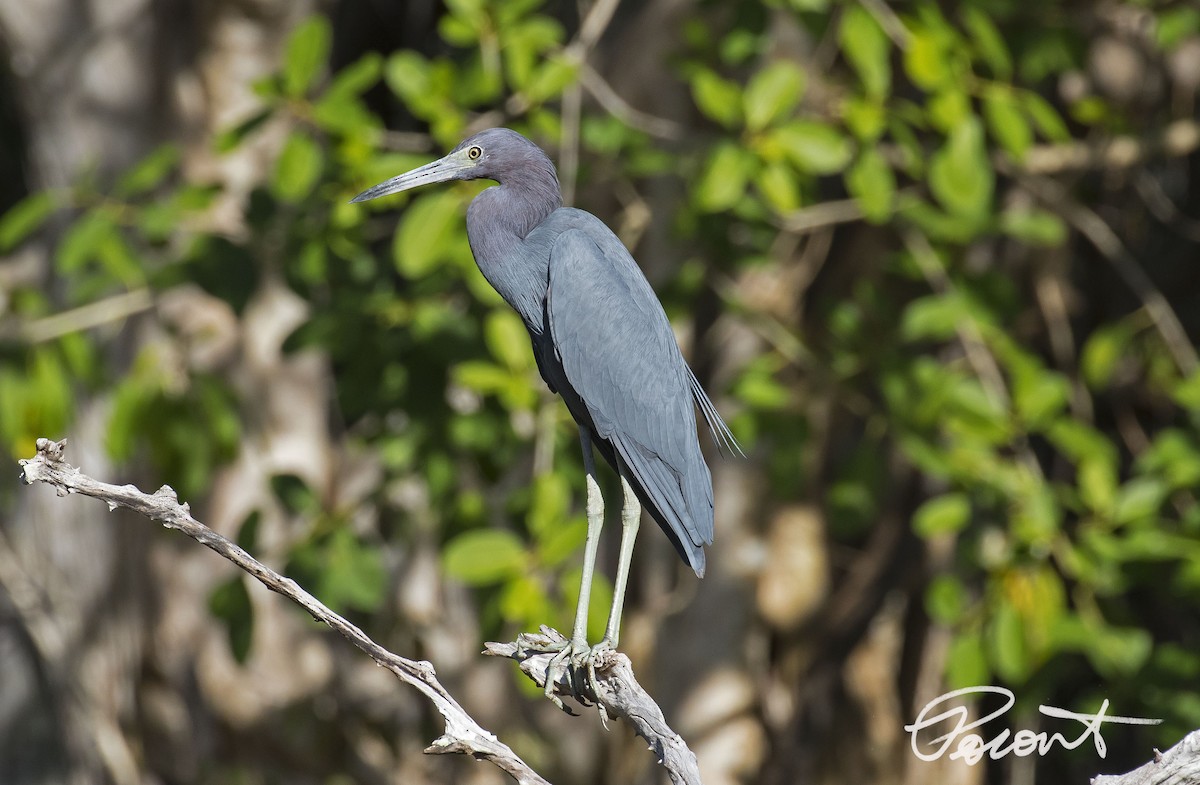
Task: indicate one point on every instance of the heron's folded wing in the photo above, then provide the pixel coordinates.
(619, 354)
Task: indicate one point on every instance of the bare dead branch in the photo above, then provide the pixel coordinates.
(618, 107)
(891, 23)
(1179, 765)
(462, 733)
(620, 695)
(596, 22)
(822, 214)
(95, 314)
(1180, 138)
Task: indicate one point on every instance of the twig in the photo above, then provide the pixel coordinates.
(620, 695)
(568, 147)
(618, 107)
(823, 214)
(1161, 206)
(889, 21)
(1178, 139)
(1179, 765)
(407, 142)
(1089, 223)
(596, 22)
(112, 309)
(462, 733)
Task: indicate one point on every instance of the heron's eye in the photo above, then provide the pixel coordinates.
(474, 153)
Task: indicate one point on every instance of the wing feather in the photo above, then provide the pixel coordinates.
(619, 354)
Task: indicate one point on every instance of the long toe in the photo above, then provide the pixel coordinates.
(570, 660)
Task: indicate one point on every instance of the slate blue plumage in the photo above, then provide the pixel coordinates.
(599, 334)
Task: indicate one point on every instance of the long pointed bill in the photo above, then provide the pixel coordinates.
(451, 167)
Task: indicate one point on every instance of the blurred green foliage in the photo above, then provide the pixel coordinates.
(1070, 544)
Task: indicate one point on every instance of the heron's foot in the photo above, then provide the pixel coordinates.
(573, 658)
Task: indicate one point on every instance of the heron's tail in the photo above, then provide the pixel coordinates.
(681, 503)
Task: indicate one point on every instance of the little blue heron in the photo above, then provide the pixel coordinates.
(602, 342)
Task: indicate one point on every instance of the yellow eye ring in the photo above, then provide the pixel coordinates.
(474, 153)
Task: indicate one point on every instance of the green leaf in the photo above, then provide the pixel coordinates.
(49, 403)
(24, 218)
(1174, 455)
(230, 604)
(1102, 354)
(117, 257)
(358, 77)
(1007, 648)
(1033, 226)
(1078, 440)
(601, 599)
(870, 180)
(867, 48)
(777, 183)
(944, 514)
(966, 662)
(1097, 479)
(298, 168)
(946, 599)
(1175, 25)
(549, 503)
(1040, 395)
(345, 115)
(407, 73)
(1140, 498)
(128, 401)
(865, 118)
(82, 241)
(934, 317)
(524, 45)
(482, 377)
(307, 51)
(149, 172)
(549, 80)
(523, 601)
(1187, 392)
(423, 236)
(723, 181)
(772, 93)
(507, 339)
(737, 46)
(484, 556)
(718, 99)
(960, 174)
(353, 574)
(926, 61)
(812, 147)
(1007, 122)
(937, 224)
(1118, 651)
(759, 389)
(1046, 118)
(562, 541)
(948, 108)
(1037, 516)
(988, 42)
(231, 138)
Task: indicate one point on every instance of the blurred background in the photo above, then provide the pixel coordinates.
(936, 263)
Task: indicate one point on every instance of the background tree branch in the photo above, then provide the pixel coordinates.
(463, 734)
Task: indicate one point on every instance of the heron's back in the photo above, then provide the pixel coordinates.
(606, 346)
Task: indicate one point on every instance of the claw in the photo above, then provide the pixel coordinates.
(573, 659)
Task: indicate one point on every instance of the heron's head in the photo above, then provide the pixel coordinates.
(495, 154)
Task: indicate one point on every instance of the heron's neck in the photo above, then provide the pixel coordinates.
(498, 221)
